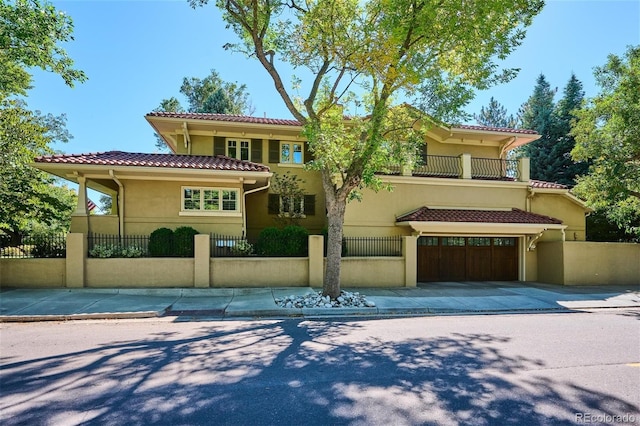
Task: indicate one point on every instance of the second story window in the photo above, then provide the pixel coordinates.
(291, 153)
(238, 149)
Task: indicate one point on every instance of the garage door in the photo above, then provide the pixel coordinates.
(467, 259)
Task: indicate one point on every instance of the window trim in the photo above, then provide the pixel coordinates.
(201, 211)
(238, 141)
(291, 163)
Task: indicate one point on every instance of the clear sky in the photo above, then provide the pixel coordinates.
(136, 53)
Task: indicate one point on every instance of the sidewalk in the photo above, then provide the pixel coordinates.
(431, 299)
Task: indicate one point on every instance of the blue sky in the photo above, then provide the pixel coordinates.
(136, 53)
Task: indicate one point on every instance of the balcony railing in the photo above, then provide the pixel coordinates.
(464, 166)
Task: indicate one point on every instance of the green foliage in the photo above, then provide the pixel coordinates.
(270, 242)
(607, 134)
(289, 241)
(30, 34)
(208, 95)
(184, 242)
(116, 250)
(48, 243)
(242, 248)
(495, 115)
(161, 242)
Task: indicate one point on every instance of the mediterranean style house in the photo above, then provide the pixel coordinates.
(476, 214)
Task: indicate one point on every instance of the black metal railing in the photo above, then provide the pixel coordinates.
(439, 166)
(372, 246)
(110, 245)
(272, 246)
(36, 246)
(494, 169)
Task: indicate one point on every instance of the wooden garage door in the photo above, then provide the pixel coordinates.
(467, 259)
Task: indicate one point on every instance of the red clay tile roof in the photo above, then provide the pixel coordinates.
(547, 185)
(226, 117)
(495, 129)
(132, 159)
(425, 214)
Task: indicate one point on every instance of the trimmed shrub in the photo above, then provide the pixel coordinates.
(184, 241)
(161, 242)
(270, 242)
(296, 241)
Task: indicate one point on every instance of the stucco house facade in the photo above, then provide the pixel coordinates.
(476, 214)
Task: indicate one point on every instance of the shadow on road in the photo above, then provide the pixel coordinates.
(292, 372)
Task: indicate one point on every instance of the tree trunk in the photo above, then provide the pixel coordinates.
(336, 205)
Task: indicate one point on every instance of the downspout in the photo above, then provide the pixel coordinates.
(120, 203)
(244, 205)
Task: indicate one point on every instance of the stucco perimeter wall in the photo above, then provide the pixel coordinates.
(588, 263)
(143, 272)
(32, 273)
(373, 272)
(259, 272)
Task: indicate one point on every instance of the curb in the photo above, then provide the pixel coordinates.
(73, 317)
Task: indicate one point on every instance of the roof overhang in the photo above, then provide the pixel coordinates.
(476, 228)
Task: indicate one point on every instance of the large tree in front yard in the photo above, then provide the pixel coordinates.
(357, 59)
(607, 133)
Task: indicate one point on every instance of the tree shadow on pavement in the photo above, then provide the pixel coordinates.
(296, 372)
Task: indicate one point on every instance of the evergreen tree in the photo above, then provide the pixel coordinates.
(538, 114)
(495, 115)
(563, 165)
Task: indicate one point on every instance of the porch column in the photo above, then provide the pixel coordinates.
(465, 159)
(80, 217)
(524, 169)
(410, 253)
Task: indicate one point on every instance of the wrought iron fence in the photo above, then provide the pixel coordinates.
(36, 246)
(264, 246)
(372, 246)
(439, 166)
(109, 245)
(494, 168)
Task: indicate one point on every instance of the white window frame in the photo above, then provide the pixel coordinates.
(238, 147)
(221, 202)
(290, 162)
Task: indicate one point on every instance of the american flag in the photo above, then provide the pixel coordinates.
(91, 206)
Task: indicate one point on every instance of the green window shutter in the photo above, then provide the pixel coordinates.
(273, 205)
(274, 151)
(256, 150)
(308, 156)
(309, 205)
(218, 145)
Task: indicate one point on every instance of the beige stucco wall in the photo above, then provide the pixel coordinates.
(32, 273)
(259, 272)
(150, 205)
(144, 272)
(376, 213)
(561, 207)
(435, 147)
(550, 262)
(103, 224)
(373, 272)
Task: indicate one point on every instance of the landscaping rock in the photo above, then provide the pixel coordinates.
(317, 300)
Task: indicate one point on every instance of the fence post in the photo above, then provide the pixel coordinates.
(410, 253)
(316, 260)
(75, 262)
(201, 260)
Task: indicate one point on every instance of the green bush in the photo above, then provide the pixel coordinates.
(115, 250)
(242, 248)
(161, 242)
(296, 241)
(270, 242)
(184, 241)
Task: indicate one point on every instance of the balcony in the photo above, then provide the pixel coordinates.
(465, 167)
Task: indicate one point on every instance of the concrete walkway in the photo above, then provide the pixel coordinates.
(428, 299)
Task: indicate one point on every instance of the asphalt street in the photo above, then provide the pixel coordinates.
(534, 369)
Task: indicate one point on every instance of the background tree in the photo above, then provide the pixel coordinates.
(537, 113)
(365, 54)
(495, 115)
(607, 133)
(207, 95)
(30, 33)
